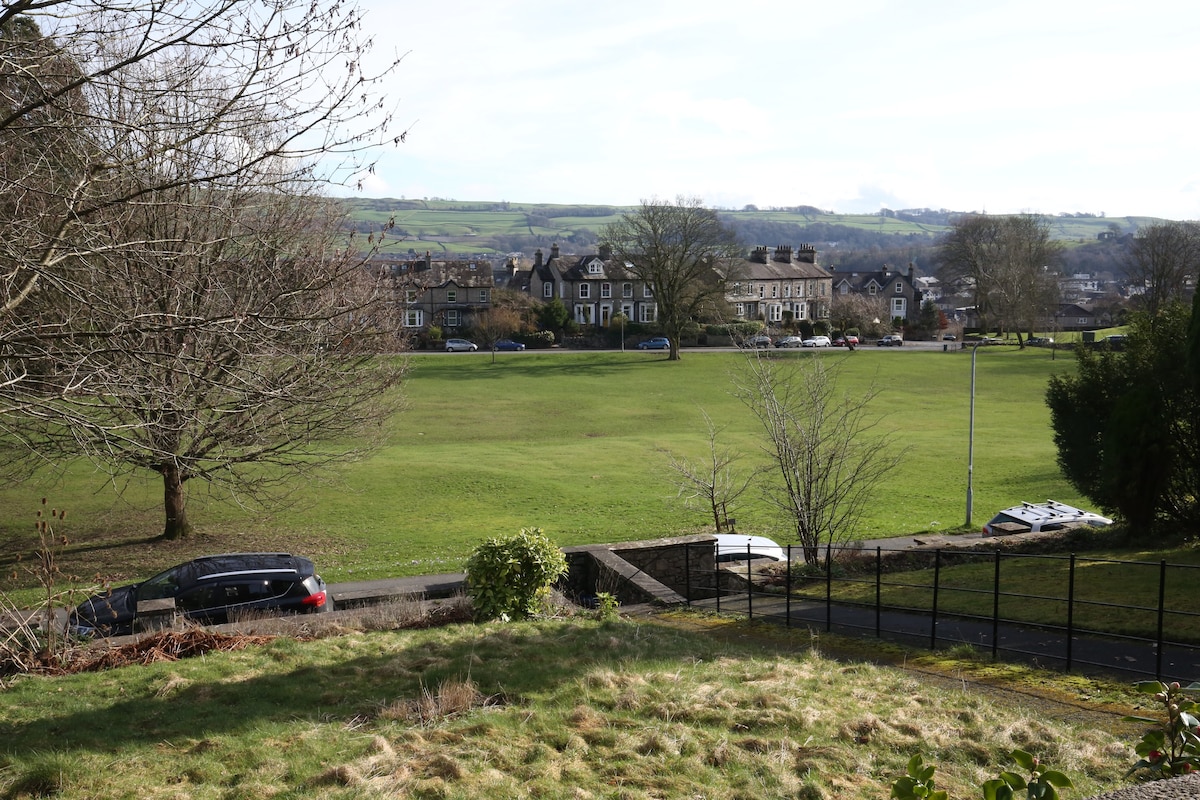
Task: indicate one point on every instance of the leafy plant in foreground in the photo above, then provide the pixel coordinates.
(1041, 784)
(1173, 747)
(510, 577)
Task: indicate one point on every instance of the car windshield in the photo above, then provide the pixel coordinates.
(165, 584)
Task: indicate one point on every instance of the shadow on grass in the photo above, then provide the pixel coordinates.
(230, 695)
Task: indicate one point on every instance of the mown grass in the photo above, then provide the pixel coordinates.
(577, 444)
(555, 709)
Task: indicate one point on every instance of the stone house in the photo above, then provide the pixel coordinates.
(899, 290)
(773, 285)
(448, 294)
(593, 287)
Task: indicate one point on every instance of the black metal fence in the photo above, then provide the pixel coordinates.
(1136, 617)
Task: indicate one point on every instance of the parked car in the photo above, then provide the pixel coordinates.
(1039, 341)
(761, 340)
(950, 337)
(209, 590)
(816, 341)
(736, 547)
(1037, 517)
(891, 340)
(460, 346)
(657, 343)
(508, 344)
(1116, 341)
(846, 341)
(789, 341)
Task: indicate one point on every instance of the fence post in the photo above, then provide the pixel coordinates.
(829, 587)
(1070, 611)
(787, 587)
(878, 582)
(1162, 599)
(717, 580)
(996, 609)
(937, 575)
(749, 585)
(687, 573)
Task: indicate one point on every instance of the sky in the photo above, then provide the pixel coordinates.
(1046, 106)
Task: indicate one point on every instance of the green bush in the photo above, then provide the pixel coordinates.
(510, 577)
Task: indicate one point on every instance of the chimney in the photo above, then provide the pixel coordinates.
(783, 253)
(806, 254)
(537, 258)
(554, 251)
(759, 255)
(910, 272)
(605, 252)
(428, 260)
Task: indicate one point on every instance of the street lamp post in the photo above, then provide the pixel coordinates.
(971, 435)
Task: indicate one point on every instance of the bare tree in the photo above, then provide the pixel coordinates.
(715, 483)
(684, 254)
(494, 324)
(1164, 256)
(179, 298)
(103, 102)
(1005, 262)
(827, 451)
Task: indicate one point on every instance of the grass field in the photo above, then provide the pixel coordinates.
(577, 444)
(567, 708)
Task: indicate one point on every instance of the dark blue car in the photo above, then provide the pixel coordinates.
(657, 343)
(508, 344)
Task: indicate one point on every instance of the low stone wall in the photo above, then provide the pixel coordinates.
(656, 570)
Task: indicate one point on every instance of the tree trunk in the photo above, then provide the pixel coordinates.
(175, 504)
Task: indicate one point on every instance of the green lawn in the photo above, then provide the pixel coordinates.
(577, 443)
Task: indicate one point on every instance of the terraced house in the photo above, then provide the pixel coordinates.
(447, 294)
(593, 287)
(780, 285)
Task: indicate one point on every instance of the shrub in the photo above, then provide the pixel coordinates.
(510, 577)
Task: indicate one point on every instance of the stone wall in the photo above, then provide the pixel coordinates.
(656, 570)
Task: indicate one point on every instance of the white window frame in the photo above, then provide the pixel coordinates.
(649, 313)
(483, 295)
(647, 291)
(453, 318)
(605, 291)
(414, 318)
(452, 295)
(627, 290)
(547, 289)
(585, 291)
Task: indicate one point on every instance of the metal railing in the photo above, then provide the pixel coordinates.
(944, 597)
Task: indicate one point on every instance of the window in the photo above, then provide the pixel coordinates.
(739, 310)
(585, 291)
(801, 310)
(606, 290)
(595, 268)
(413, 319)
(899, 287)
(774, 290)
(648, 312)
(899, 307)
(762, 291)
(451, 295)
(775, 312)
(452, 319)
(547, 289)
(647, 291)
(483, 295)
(787, 290)
(410, 295)
(872, 290)
(626, 290)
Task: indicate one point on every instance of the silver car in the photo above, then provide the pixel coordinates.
(460, 346)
